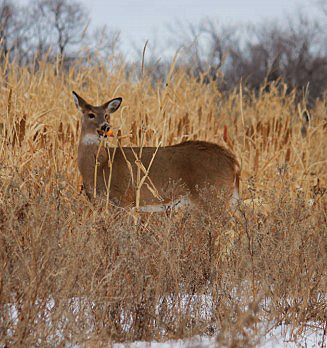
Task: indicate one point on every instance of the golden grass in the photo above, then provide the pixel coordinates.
(78, 273)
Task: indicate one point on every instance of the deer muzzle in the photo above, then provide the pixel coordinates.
(105, 131)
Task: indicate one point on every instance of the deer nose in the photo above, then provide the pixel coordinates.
(105, 127)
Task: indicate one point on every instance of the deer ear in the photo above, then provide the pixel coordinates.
(79, 101)
(113, 104)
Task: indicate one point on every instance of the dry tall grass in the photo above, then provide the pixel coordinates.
(73, 273)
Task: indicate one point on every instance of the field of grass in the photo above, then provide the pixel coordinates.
(76, 273)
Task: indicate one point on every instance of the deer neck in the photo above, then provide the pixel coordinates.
(87, 148)
(89, 139)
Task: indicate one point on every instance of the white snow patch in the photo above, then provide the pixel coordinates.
(282, 336)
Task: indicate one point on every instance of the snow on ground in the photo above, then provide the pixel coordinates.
(195, 342)
(280, 337)
(283, 336)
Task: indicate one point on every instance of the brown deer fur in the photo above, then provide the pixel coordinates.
(177, 171)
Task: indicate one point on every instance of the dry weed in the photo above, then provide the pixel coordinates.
(72, 272)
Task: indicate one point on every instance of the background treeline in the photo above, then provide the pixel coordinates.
(292, 49)
(52, 28)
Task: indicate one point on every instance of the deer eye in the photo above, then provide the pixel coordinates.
(91, 115)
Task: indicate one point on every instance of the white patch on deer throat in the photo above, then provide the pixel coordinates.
(90, 139)
(159, 208)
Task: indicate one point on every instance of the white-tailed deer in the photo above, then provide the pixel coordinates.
(174, 173)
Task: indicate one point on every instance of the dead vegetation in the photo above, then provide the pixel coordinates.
(76, 273)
